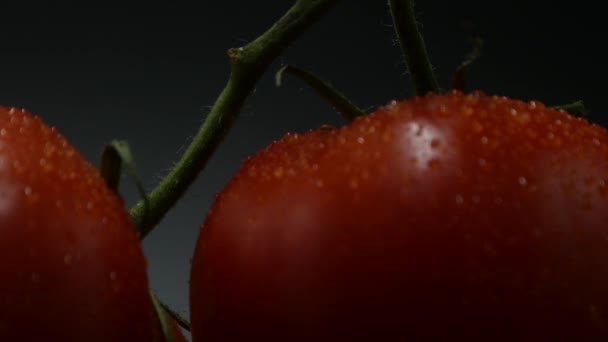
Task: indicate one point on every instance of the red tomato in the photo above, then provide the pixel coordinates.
(176, 331)
(178, 336)
(459, 217)
(72, 266)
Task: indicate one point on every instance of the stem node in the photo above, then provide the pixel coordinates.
(248, 64)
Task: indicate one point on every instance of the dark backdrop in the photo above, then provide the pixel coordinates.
(149, 74)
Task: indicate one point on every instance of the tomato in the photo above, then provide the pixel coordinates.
(72, 265)
(176, 331)
(455, 216)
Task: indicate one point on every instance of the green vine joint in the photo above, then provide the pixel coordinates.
(248, 64)
(116, 155)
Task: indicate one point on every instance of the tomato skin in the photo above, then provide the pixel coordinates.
(176, 331)
(451, 216)
(72, 266)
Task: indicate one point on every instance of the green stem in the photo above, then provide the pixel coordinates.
(248, 64)
(459, 77)
(181, 321)
(162, 318)
(412, 47)
(575, 108)
(339, 101)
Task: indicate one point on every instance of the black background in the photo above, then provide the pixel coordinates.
(149, 74)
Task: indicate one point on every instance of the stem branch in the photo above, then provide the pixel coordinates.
(412, 47)
(248, 64)
(339, 101)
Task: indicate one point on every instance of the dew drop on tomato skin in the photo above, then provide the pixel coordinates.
(59, 258)
(490, 226)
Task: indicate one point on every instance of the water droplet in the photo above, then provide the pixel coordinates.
(523, 118)
(434, 164)
(513, 111)
(482, 162)
(484, 140)
(31, 223)
(596, 142)
(594, 314)
(603, 190)
(365, 174)
(586, 206)
(550, 135)
(319, 183)
(113, 275)
(477, 126)
(522, 181)
(116, 286)
(31, 252)
(27, 191)
(489, 248)
(90, 206)
(459, 199)
(360, 140)
(67, 259)
(27, 301)
(391, 105)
